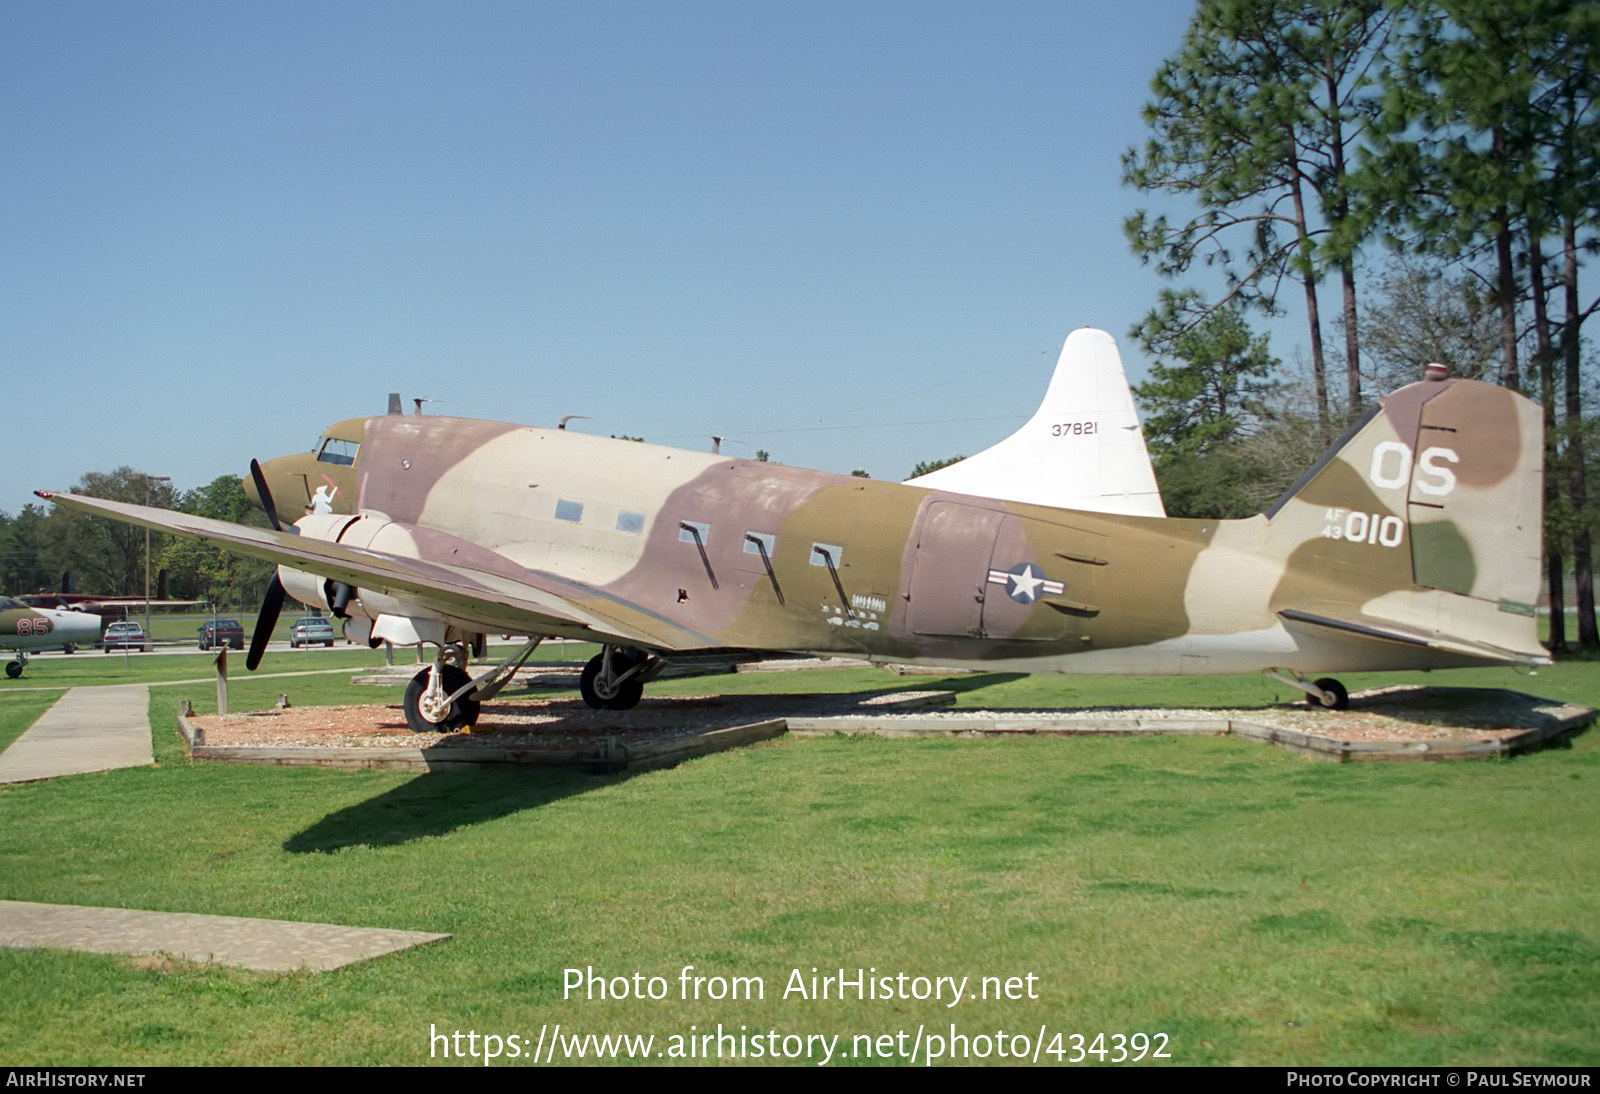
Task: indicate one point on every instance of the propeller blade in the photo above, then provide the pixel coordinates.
(271, 605)
(266, 503)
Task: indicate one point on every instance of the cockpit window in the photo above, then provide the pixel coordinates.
(9, 605)
(340, 452)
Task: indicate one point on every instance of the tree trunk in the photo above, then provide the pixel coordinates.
(1352, 342)
(1558, 604)
(1308, 277)
(1577, 484)
(1545, 363)
(1506, 301)
(1347, 268)
(1506, 291)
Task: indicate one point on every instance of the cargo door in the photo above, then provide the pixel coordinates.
(950, 570)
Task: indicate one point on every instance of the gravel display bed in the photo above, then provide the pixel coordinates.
(1402, 714)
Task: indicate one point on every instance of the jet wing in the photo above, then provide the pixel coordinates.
(533, 602)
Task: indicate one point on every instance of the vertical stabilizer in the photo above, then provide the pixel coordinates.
(1082, 449)
(1425, 521)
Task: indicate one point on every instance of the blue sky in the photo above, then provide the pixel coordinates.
(802, 226)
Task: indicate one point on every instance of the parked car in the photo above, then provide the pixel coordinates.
(313, 630)
(222, 632)
(125, 636)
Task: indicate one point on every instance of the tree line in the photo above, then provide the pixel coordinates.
(43, 547)
(1438, 163)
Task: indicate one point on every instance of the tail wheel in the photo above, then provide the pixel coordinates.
(1334, 695)
(463, 712)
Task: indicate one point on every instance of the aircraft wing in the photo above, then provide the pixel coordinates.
(115, 602)
(532, 602)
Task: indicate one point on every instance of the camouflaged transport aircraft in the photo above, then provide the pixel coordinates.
(1412, 544)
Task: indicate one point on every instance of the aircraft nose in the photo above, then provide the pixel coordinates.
(286, 478)
(272, 474)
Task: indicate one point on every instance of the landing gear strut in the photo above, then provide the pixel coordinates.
(440, 699)
(444, 698)
(614, 679)
(1328, 692)
(1334, 695)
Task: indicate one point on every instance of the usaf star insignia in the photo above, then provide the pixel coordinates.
(1026, 583)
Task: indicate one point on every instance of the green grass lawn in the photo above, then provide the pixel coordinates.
(1255, 907)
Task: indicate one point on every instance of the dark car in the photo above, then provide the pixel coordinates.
(222, 632)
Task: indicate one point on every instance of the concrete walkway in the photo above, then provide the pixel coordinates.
(261, 945)
(88, 729)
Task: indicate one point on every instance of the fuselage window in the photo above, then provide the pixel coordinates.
(826, 554)
(693, 531)
(569, 511)
(630, 522)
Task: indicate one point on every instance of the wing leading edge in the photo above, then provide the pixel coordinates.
(533, 602)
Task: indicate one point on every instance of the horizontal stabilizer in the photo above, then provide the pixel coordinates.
(1082, 449)
(1388, 631)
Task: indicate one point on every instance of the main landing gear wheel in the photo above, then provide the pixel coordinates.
(1335, 696)
(463, 712)
(602, 691)
(14, 669)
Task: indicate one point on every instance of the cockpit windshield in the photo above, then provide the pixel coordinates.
(340, 452)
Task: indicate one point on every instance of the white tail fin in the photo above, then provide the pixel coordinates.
(1082, 449)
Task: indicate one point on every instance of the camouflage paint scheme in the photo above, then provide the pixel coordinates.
(1413, 544)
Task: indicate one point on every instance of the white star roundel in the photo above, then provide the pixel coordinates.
(1025, 583)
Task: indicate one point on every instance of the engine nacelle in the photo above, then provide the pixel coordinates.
(370, 616)
(317, 592)
(358, 629)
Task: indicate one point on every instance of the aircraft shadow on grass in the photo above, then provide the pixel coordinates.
(440, 802)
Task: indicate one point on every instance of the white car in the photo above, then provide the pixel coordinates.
(312, 630)
(125, 636)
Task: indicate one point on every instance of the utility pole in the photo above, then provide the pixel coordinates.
(148, 479)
